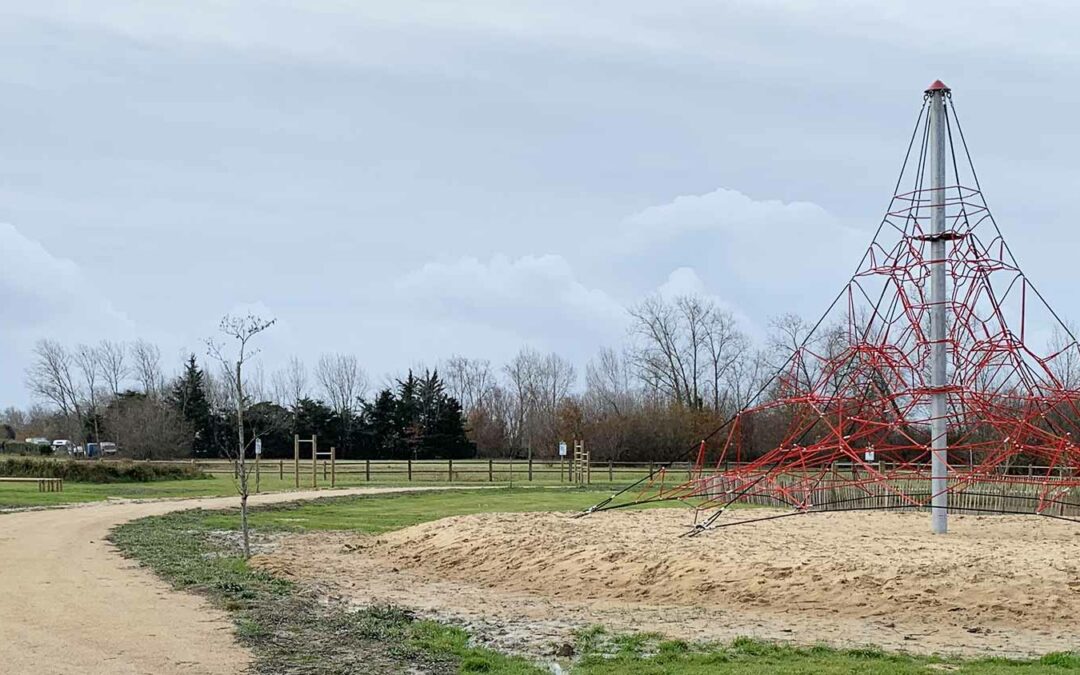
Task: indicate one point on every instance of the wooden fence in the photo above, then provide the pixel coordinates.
(495, 470)
(441, 470)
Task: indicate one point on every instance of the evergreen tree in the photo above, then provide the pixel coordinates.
(188, 396)
(408, 417)
(383, 435)
(418, 421)
(446, 434)
(315, 418)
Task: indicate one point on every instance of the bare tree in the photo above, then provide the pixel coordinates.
(50, 377)
(1064, 363)
(725, 346)
(607, 381)
(255, 387)
(219, 389)
(112, 358)
(521, 376)
(150, 427)
(470, 381)
(241, 330)
(554, 380)
(538, 384)
(343, 381)
(684, 347)
(746, 377)
(14, 417)
(659, 355)
(88, 363)
(290, 383)
(146, 359)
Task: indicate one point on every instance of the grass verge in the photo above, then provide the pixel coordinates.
(650, 654)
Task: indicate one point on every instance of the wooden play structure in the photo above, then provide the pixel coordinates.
(328, 458)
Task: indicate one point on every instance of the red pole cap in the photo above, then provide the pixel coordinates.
(938, 85)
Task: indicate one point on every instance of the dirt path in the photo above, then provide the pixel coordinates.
(69, 603)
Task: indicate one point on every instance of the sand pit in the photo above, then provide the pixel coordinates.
(995, 585)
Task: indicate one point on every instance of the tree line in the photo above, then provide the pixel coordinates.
(684, 367)
(119, 393)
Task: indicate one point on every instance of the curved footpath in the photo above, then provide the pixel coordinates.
(70, 603)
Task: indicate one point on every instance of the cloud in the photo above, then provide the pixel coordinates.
(39, 289)
(45, 296)
(686, 281)
(769, 243)
(724, 210)
(534, 294)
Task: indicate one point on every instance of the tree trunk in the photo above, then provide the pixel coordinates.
(244, 524)
(241, 464)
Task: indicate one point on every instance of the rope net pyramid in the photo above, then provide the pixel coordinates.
(845, 422)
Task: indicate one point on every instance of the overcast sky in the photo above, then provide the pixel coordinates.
(406, 180)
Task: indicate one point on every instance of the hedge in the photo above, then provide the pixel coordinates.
(82, 471)
(24, 448)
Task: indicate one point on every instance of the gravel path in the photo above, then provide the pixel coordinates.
(70, 603)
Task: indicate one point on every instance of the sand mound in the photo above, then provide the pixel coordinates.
(1008, 569)
(999, 585)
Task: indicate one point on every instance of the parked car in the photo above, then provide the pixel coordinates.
(63, 447)
(108, 448)
(37, 440)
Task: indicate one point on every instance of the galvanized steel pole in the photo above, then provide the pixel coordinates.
(939, 468)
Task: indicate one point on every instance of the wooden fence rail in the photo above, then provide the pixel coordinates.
(499, 470)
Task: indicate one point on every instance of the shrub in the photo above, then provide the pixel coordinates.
(97, 472)
(24, 448)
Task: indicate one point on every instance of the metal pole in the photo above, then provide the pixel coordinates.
(939, 468)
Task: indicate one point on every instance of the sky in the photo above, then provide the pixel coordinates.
(408, 180)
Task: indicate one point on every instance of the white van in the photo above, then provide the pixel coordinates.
(63, 447)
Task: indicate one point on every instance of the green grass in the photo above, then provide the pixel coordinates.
(649, 654)
(375, 514)
(15, 495)
(292, 631)
(20, 495)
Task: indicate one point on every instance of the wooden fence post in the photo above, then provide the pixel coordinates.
(530, 468)
(410, 470)
(491, 476)
(450, 470)
(296, 460)
(367, 470)
(281, 469)
(610, 471)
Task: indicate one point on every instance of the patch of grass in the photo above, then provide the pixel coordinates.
(375, 514)
(18, 495)
(648, 654)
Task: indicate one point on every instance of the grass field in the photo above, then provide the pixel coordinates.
(19, 495)
(322, 637)
(375, 514)
(14, 495)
